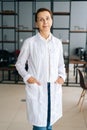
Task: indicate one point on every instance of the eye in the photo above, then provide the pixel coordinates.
(47, 18)
(41, 19)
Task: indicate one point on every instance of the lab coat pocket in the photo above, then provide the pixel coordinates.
(32, 91)
(58, 92)
(58, 87)
(33, 97)
(58, 97)
(56, 101)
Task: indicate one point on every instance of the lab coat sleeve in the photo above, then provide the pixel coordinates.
(61, 66)
(21, 61)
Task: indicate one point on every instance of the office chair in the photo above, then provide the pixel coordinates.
(83, 84)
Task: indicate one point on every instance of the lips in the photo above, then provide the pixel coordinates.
(45, 26)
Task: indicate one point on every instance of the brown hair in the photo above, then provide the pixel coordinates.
(41, 10)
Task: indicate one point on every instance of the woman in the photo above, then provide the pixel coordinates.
(46, 73)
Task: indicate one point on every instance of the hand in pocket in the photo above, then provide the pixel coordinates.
(33, 80)
(59, 80)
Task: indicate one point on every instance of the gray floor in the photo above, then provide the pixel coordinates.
(13, 109)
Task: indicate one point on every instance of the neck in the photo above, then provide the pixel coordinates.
(45, 35)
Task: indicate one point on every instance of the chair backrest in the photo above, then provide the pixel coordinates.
(82, 82)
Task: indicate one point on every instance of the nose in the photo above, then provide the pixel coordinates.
(45, 21)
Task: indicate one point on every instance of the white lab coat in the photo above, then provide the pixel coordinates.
(34, 51)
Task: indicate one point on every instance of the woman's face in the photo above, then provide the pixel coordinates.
(44, 21)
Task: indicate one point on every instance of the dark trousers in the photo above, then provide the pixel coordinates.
(48, 127)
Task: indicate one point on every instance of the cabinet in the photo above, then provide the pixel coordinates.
(8, 39)
(8, 25)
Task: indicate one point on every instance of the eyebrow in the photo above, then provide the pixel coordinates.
(42, 17)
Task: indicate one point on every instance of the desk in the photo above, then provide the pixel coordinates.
(77, 61)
